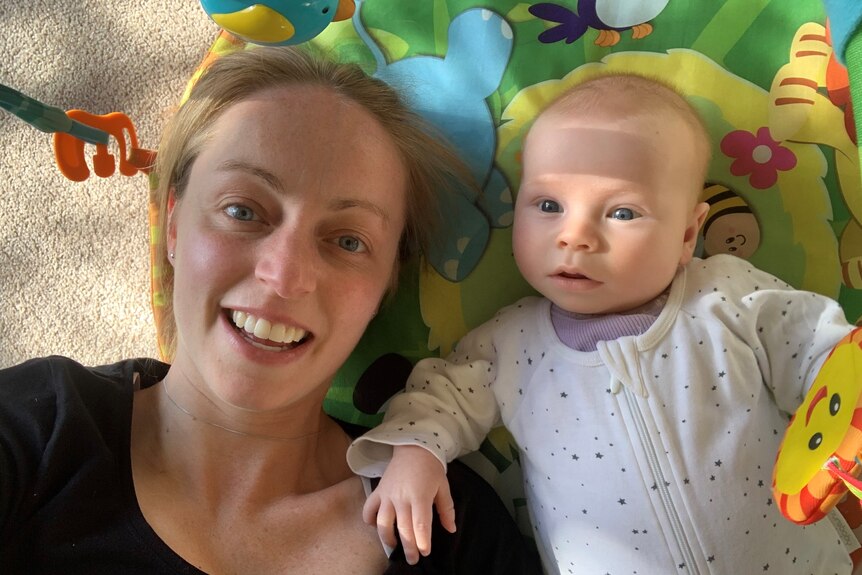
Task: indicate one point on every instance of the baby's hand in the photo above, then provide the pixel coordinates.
(413, 481)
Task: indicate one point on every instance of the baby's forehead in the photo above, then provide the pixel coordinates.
(608, 125)
(641, 149)
(667, 126)
(571, 147)
(635, 99)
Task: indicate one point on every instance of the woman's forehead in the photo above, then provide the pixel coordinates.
(301, 140)
(300, 105)
(307, 120)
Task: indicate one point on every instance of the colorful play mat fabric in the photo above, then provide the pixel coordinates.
(784, 184)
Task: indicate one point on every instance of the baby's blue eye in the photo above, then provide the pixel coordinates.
(240, 212)
(351, 244)
(550, 206)
(624, 214)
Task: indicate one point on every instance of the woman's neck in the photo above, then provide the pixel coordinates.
(234, 503)
(215, 462)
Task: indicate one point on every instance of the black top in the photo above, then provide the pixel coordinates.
(68, 505)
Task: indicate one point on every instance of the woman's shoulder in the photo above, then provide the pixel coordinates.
(59, 364)
(57, 377)
(65, 428)
(43, 398)
(41, 383)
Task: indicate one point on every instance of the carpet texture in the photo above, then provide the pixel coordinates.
(74, 257)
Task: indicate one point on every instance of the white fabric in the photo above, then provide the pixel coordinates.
(653, 454)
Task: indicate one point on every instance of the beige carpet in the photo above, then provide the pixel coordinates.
(74, 259)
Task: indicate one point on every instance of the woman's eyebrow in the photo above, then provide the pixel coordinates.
(265, 175)
(338, 204)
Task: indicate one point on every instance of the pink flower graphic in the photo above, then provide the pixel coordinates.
(758, 155)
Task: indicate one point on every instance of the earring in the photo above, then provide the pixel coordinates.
(171, 256)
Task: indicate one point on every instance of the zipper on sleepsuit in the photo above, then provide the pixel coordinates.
(664, 493)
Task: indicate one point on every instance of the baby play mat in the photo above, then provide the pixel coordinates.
(784, 183)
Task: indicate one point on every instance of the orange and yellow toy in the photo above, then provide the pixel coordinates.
(70, 156)
(818, 460)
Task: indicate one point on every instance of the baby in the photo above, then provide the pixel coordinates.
(648, 390)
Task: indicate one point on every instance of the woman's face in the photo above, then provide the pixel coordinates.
(285, 241)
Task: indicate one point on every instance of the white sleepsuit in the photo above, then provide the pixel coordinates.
(653, 454)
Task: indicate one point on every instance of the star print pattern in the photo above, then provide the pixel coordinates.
(670, 465)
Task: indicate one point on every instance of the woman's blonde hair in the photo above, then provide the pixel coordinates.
(431, 164)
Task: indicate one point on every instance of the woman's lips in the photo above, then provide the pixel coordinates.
(265, 334)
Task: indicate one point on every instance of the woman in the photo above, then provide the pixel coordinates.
(291, 188)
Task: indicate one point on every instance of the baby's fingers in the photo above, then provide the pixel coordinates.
(370, 508)
(385, 521)
(445, 507)
(422, 528)
(404, 524)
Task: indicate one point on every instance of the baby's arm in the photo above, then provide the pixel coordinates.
(414, 480)
(446, 411)
(789, 332)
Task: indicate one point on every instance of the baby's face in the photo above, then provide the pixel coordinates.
(607, 209)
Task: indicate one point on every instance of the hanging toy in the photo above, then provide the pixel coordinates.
(75, 128)
(853, 485)
(48, 118)
(69, 151)
(277, 22)
(818, 461)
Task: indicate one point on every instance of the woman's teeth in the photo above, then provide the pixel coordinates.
(266, 330)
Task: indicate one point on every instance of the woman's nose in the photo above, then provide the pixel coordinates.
(287, 264)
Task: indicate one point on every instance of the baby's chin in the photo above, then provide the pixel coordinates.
(579, 308)
(604, 308)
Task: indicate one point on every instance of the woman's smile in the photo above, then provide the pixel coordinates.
(266, 334)
(258, 350)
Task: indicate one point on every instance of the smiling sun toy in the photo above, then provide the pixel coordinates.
(277, 22)
(818, 461)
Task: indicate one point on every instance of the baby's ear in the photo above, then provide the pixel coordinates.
(698, 215)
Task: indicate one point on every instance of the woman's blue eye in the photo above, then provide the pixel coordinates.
(351, 244)
(624, 214)
(550, 206)
(240, 212)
